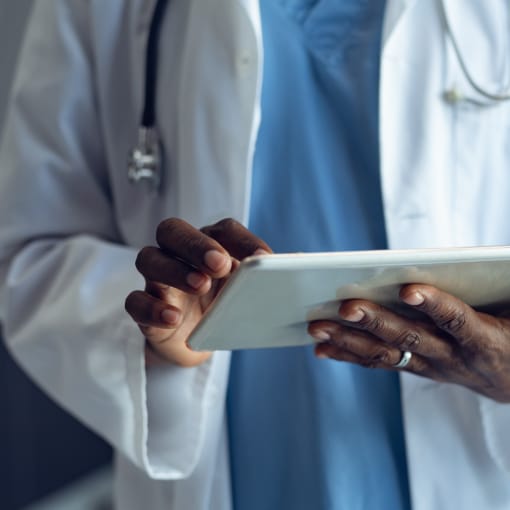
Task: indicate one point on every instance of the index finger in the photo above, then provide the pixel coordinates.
(236, 238)
(181, 240)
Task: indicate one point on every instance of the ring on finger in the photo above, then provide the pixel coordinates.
(404, 359)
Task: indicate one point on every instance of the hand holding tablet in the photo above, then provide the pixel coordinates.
(397, 310)
(270, 300)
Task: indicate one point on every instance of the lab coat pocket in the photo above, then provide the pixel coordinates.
(481, 158)
(478, 46)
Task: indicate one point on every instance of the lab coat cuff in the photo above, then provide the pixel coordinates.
(174, 407)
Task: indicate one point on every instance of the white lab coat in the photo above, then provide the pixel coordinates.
(71, 224)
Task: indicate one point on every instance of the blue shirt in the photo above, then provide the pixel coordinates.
(308, 433)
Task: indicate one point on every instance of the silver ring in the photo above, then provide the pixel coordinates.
(404, 360)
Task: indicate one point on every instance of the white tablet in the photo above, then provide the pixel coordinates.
(270, 299)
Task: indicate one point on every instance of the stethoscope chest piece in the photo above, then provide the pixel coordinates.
(145, 160)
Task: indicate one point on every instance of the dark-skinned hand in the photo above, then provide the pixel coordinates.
(451, 343)
(183, 274)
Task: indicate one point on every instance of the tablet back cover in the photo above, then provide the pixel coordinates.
(270, 299)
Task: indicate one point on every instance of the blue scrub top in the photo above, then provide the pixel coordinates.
(308, 433)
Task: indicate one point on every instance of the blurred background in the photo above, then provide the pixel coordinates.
(48, 461)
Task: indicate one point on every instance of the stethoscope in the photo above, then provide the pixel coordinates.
(453, 95)
(146, 158)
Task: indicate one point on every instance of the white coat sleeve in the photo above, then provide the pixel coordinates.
(64, 272)
(496, 422)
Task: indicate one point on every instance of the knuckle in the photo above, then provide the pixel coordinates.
(338, 341)
(373, 323)
(452, 321)
(166, 226)
(208, 230)
(195, 246)
(377, 358)
(142, 258)
(434, 307)
(490, 355)
(220, 228)
(227, 224)
(408, 340)
(460, 367)
(418, 365)
(130, 303)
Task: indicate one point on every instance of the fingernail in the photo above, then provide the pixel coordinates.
(215, 260)
(321, 335)
(170, 316)
(353, 315)
(261, 251)
(319, 352)
(195, 280)
(414, 299)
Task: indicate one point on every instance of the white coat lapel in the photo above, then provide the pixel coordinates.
(218, 115)
(395, 9)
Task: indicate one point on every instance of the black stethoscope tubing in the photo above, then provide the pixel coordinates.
(151, 65)
(145, 160)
